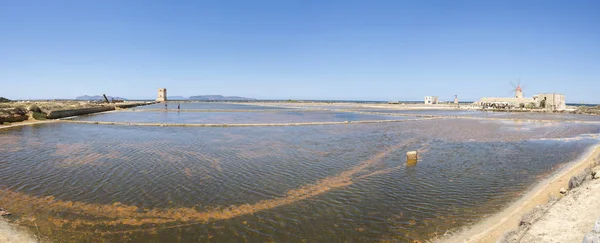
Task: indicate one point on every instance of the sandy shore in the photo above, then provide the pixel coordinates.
(13, 233)
(493, 228)
(570, 218)
(26, 123)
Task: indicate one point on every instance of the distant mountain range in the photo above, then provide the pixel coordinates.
(197, 97)
(98, 97)
(209, 97)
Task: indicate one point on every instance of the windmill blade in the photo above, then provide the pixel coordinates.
(513, 84)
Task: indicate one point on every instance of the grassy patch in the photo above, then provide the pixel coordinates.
(38, 116)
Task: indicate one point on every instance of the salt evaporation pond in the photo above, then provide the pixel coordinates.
(193, 117)
(207, 106)
(543, 116)
(431, 112)
(488, 114)
(349, 182)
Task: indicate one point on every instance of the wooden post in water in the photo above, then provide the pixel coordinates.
(411, 157)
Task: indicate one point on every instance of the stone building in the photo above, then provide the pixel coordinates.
(551, 102)
(431, 100)
(162, 95)
(547, 101)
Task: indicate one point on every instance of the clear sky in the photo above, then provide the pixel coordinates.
(288, 49)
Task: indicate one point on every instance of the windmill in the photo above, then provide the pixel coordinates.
(517, 89)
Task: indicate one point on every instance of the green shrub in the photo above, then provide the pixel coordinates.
(530, 105)
(38, 116)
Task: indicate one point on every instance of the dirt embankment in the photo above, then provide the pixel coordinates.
(12, 112)
(593, 110)
(568, 219)
(9, 115)
(20, 111)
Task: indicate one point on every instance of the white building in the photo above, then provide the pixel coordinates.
(431, 100)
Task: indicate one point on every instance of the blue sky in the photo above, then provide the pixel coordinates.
(351, 50)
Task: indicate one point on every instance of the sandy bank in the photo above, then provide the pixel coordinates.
(26, 123)
(13, 233)
(493, 228)
(570, 218)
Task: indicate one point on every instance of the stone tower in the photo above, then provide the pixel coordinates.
(162, 95)
(519, 92)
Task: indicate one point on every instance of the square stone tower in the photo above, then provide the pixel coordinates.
(162, 95)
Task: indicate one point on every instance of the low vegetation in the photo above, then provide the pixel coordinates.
(15, 111)
(4, 100)
(38, 116)
(591, 110)
(47, 106)
(12, 114)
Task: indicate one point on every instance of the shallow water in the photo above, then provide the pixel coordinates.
(431, 112)
(544, 116)
(172, 105)
(90, 183)
(233, 117)
(491, 114)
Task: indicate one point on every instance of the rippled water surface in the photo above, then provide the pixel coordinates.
(348, 182)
